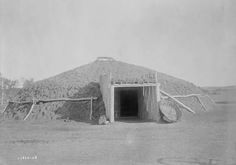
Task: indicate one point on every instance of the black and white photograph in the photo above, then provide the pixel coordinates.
(117, 82)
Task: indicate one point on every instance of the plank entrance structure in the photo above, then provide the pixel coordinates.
(128, 99)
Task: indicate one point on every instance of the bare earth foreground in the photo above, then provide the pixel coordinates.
(204, 139)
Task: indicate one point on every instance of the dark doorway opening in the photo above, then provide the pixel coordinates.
(128, 103)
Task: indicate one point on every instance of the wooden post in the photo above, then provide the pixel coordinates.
(186, 107)
(143, 90)
(112, 95)
(91, 108)
(2, 84)
(156, 77)
(158, 92)
(158, 99)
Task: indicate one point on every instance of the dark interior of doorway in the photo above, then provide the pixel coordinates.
(128, 103)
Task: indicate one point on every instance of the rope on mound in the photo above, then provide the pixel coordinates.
(35, 102)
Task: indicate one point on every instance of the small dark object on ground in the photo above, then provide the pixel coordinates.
(67, 119)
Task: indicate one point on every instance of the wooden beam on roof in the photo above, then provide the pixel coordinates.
(135, 85)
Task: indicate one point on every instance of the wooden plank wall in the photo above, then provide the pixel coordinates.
(105, 87)
(150, 98)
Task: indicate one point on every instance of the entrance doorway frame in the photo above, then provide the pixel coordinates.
(127, 102)
(111, 114)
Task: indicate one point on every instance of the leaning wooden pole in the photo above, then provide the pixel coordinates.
(21, 102)
(177, 101)
(200, 101)
(210, 99)
(66, 99)
(31, 109)
(55, 100)
(5, 107)
(183, 96)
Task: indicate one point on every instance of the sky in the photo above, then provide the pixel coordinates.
(193, 40)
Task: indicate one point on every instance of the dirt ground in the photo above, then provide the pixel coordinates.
(204, 139)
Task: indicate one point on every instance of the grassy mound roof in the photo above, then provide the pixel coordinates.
(83, 81)
(121, 71)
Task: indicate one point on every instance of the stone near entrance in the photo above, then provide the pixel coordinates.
(102, 120)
